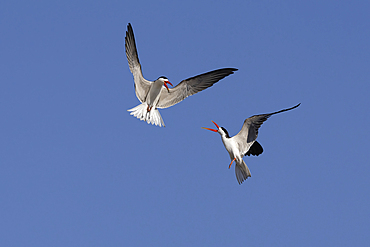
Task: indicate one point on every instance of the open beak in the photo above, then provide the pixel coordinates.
(212, 129)
(165, 84)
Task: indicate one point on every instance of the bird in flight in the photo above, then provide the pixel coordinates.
(244, 143)
(155, 95)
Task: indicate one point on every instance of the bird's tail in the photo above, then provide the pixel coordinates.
(142, 113)
(242, 171)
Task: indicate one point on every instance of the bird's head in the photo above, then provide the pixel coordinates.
(165, 82)
(221, 130)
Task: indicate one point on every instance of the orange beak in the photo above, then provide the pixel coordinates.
(165, 84)
(212, 129)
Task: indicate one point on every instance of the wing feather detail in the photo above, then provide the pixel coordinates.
(192, 86)
(142, 85)
(249, 132)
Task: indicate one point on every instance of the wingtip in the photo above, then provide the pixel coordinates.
(232, 69)
(129, 29)
(296, 105)
(229, 69)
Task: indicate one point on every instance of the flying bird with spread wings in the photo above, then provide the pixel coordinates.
(155, 95)
(244, 143)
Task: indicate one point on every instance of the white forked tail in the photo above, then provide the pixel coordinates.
(142, 113)
(242, 172)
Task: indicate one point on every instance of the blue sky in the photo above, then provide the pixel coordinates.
(77, 170)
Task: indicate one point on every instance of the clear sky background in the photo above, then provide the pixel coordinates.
(77, 170)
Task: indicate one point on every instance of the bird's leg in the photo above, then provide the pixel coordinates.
(149, 109)
(232, 162)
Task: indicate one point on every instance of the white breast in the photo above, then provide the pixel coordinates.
(231, 147)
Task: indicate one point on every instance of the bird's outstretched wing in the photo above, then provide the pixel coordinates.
(142, 86)
(249, 132)
(191, 86)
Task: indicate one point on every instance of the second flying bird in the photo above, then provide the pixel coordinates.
(244, 143)
(156, 94)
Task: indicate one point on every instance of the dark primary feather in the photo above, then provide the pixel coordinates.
(256, 149)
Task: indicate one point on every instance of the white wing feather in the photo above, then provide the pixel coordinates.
(142, 85)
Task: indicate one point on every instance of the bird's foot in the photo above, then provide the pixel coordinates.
(232, 162)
